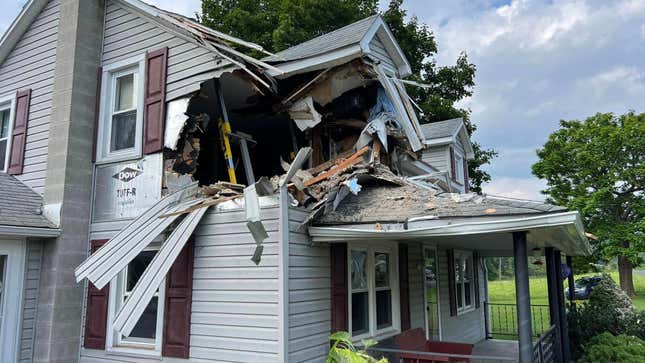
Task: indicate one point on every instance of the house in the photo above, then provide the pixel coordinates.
(165, 197)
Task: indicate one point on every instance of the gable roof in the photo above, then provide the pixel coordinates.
(19, 205)
(446, 132)
(341, 45)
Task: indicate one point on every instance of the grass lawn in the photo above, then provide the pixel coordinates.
(503, 292)
(503, 318)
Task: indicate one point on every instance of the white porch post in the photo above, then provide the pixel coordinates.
(523, 297)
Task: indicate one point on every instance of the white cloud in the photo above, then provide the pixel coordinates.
(184, 7)
(520, 188)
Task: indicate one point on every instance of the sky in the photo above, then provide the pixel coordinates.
(537, 62)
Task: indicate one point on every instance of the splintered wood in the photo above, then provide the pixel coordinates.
(340, 165)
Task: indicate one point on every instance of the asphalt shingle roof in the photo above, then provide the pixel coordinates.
(390, 203)
(337, 39)
(441, 129)
(19, 205)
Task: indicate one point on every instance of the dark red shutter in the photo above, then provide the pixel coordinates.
(19, 134)
(179, 292)
(97, 310)
(452, 296)
(404, 287)
(466, 179)
(339, 288)
(97, 110)
(453, 169)
(476, 267)
(155, 104)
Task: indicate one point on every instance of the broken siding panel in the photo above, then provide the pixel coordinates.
(30, 299)
(129, 34)
(415, 280)
(309, 294)
(30, 65)
(465, 327)
(235, 303)
(379, 52)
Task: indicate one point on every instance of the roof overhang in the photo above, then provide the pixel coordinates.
(19, 231)
(460, 134)
(19, 26)
(380, 29)
(563, 231)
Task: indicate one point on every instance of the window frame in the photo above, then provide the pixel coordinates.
(8, 102)
(114, 340)
(134, 65)
(468, 255)
(459, 168)
(371, 248)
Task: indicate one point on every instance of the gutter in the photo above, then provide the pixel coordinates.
(29, 231)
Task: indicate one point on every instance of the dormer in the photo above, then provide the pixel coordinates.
(448, 149)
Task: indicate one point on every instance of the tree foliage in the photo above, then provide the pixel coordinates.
(596, 166)
(279, 24)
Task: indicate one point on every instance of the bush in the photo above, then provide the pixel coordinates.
(343, 351)
(608, 309)
(617, 349)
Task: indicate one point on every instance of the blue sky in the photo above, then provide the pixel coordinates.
(537, 62)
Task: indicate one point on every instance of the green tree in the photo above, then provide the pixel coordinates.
(279, 24)
(596, 166)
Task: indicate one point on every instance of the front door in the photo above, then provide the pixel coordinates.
(12, 257)
(431, 278)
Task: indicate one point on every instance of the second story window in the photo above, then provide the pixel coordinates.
(121, 123)
(5, 134)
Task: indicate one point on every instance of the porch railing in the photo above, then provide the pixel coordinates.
(413, 356)
(546, 349)
(502, 320)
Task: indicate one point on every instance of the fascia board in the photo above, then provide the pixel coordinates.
(439, 141)
(29, 231)
(380, 29)
(465, 138)
(153, 276)
(19, 26)
(330, 59)
(332, 234)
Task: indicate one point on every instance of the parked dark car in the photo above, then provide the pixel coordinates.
(583, 287)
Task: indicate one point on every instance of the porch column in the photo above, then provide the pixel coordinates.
(571, 283)
(552, 279)
(564, 330)
(523, 297)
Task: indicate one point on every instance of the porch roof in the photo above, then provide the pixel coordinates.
(469, 221)
(21, 210)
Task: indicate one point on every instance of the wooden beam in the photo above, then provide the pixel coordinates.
(339, 168)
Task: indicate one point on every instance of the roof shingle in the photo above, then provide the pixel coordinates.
(441, 129)
(19, 205)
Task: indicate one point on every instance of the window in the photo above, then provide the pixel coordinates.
(459, 169)
(373, 290)
(464, 281)
(148, 331)
(121, 116)
(5, 133)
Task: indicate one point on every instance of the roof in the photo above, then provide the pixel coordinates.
(339, 38)
(391, 203)
(19, 205)
(441, 129)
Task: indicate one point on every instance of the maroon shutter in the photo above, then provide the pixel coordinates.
(476, 277)
(19, 134)
(179, 291)
(452, 296)
(453, 169)
(97, 110)
(97, 309)
(466, 179)
(155, 94)
(339, 288)
(404, 287)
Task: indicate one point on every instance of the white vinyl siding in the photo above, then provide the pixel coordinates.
(309, 294)
(129, 34)
(30, 65)
(438, 157)
(378, 51)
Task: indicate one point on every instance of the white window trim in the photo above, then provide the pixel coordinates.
(433, 248)
(114, 344)
(465, 308)
(108, 82)
(371, 248)
(459, 168)
(8, 101)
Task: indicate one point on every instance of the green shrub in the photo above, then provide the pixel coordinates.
(608, 309)
(343, 350)
(616, 349)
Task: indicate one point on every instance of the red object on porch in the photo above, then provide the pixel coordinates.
(415, 339)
